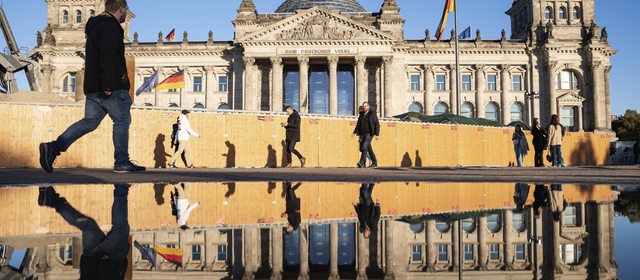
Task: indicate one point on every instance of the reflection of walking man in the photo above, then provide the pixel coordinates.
(368, 212)
(293, 135)
(183, 135)
(106, 87)
(103, 256)
(292, 211)
(181, 204)
(367, 127)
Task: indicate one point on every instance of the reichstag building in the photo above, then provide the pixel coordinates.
(327, 56)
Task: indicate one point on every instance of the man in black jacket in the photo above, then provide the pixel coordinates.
(367, 127)
(293, 136)
(106, 86)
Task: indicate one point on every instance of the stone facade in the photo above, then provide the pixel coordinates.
(556, 61)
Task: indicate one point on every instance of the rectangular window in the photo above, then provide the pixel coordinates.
(517, 82)
(222, 83)
(443, 253)
(171, 246)
(570, 216)
(144, 81)
(440, 82)
(196, 252)
(466, 82)
(173, 90)
(416, 253)
(568, 117)
(222, 252)
(415, 82)
(494, 252)
(520, 252)
(197, 84)
(468, 252)
(491, 82)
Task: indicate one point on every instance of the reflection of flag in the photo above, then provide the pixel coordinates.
(465, 34)
(146, 252)
(174, 81)
(171, 35)
(449, 7)
(173, 255)
(150, 84)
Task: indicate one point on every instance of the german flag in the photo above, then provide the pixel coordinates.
(172, 82)
(171, 35)
(173, 255)
(449, 6)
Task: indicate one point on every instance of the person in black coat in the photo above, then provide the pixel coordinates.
(293, 136)
(539, 142)
(292, 211)
(367, 127)
(368, 212)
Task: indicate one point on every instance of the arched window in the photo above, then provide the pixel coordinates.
(576, 13)
(173, 105)
(517, 221)
(548, 13)
(69, 83)
(224, 106)
(415, 107)
(494, 223)
(516, 112)
(92, 13)
(567, 79)
(198, 106)
(416, 228)
(440, 108)
(562, 14)
(65, 16)
(469, 225)
(571, 253)
(466, 110)
(442, 226)
(491, 111)
(78, 17)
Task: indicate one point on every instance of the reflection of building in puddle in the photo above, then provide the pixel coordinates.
(245, 235)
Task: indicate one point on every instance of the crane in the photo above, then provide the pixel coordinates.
(13, 62)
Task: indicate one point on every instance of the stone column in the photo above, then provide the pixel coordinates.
(504, 96)
(250, 94)
(387, 61)
(428, 89)
(304, 84)
(480, 84)
(580, 118)
(304, 253)
(509, 247)
(333, 84)
(454, 245)
(277, 98)
(276, 253)
(210, 87)
(598, 94)
(361, 81)
(333, 244)
(483, 247)
(432, 249)
(389, 250)
(607, 97)
(362, 251)
(603, 233)
(250, 252)
(552, 84)
(453, 99)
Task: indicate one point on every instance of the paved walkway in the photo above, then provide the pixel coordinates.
(608, 175)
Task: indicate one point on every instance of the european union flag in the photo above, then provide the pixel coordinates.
(148, 85)
(465, 34)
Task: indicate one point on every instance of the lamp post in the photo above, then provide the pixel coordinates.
(531, 96)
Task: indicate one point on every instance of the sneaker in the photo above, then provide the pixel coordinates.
(128, 167)
(373, 165)
(360, 165)
(191, 166)
(47, 196)
(171, 165)
(47, 156)
(302, 161)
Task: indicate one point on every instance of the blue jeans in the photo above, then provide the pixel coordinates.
(95, 243)
(518, 155)
(97, 106)
(366, 150)
(556, 155)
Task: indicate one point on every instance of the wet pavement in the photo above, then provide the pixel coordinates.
(574, 175)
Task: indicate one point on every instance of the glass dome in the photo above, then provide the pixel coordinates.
(351, 6)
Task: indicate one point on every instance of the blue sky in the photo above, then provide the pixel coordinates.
(199, 16)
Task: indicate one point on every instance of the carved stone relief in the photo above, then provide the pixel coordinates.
(317, 28)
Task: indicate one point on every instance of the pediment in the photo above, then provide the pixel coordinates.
(317, 24)
(570, 98)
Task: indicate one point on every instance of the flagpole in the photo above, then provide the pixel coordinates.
(455, 14)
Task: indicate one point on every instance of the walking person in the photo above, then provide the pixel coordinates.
(539, 143)
(367, 127)
(555, 130)
(174, 140)
(292, 127)
(292, 210)
(368, 212)
(520, 144)
(103, 256)
(183, 135)
(106, 87)
(180, 204)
